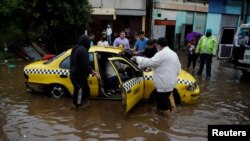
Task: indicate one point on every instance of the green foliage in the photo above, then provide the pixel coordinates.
(54, 21)
(11, 35)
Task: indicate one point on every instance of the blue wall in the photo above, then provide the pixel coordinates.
(225, 6)
(213, 22)
(233, 7)
(180, 19)
(233, 10)
(217, 6)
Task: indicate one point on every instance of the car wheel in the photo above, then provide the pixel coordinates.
(57, 91)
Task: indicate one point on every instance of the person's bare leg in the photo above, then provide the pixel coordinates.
(73, 107)
(172, 102)
(166, 113)
(86, 103)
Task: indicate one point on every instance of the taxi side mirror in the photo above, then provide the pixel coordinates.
(138, 73)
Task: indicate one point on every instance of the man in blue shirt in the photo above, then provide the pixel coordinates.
(91, 37)
(140, 44)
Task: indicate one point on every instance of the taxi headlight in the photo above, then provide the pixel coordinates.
(192, 87)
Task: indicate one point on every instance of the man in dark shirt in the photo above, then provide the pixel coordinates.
(150, 49)
(79, 71)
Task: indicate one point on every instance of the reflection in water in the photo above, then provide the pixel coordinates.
(28, 117)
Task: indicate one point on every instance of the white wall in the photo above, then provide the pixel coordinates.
(169, 14)
(102, 3)
(119, 4)
(130, 4)
(159, 31)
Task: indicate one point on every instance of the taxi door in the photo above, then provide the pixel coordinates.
(92, 80)
(131, 82)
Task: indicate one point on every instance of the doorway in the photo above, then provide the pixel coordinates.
(170, 35)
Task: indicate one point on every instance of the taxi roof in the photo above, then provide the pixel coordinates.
(112, 49)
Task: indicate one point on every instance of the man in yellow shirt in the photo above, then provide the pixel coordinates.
(206, 47)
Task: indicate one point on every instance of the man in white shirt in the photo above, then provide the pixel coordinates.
(110, 72)
(166, 67)
(109, 33)
(103, 42)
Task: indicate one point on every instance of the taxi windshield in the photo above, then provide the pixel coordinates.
(127, 56)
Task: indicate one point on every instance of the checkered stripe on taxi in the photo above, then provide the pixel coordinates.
(131, 83)
(148, 77)
(180, 81)
(47, 71)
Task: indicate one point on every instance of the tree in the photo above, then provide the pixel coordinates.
(56, 22)
(9, 30)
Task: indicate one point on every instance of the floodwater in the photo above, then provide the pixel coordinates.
(225, 99)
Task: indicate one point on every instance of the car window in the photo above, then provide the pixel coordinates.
(65, 64)
(132, 62)
(54, 58)
(126, 71)
(91, 60)
(244, 35)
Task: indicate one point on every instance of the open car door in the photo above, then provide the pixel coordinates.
(131, 82)
(225, 49)
(92, 80)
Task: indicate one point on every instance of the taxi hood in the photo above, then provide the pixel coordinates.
(186, 75)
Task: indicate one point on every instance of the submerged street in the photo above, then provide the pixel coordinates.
(224, 99)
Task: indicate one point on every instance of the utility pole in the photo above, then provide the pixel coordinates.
(150, 6)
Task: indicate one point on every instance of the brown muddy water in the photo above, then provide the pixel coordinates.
(225, 99)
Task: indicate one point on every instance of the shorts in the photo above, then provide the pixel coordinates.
(162, 101)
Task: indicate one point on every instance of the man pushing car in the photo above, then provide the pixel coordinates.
(166, 67)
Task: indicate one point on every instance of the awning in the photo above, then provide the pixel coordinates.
(103, 11)
(114, 12)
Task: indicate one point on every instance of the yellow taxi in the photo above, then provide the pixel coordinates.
(52, 77)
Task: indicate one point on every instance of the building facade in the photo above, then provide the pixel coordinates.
(173, 19)
(119, 14)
